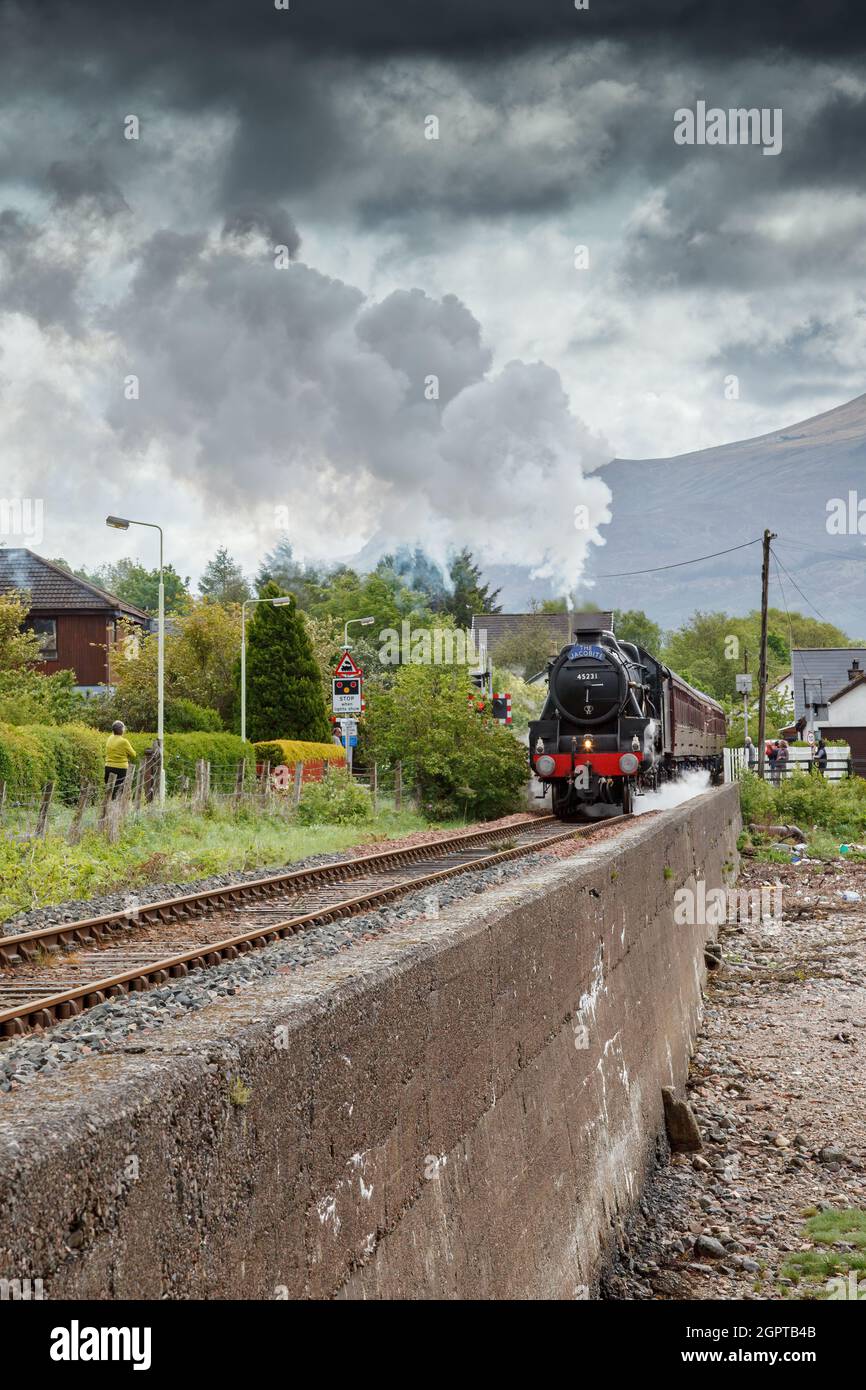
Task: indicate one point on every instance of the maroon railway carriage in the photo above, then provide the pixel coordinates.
(615, 722)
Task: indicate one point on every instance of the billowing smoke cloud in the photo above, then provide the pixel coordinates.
(369, 423)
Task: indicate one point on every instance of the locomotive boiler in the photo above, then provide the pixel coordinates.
(617, 722)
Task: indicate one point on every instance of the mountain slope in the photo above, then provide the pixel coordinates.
(671, 509)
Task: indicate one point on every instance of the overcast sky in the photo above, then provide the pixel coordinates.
(296, 397)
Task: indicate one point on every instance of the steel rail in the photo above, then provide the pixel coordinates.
(87, 931)
(42, 1013)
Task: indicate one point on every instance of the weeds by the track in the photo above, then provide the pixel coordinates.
(177, 845)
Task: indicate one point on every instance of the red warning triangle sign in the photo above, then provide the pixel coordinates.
(346, 667)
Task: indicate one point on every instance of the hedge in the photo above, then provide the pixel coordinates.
(289, 751)
(183, 751)
(72, 754)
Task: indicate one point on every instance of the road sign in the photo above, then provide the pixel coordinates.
(346, 695)
(744, 684)
(347, 667)
(349, 729)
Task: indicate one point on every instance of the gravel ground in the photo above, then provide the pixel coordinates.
(154, 892)
(778, 1085)
(113, 1026)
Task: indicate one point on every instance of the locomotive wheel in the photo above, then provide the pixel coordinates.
(627, 797)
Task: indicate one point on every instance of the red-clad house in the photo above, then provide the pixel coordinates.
(77, 623)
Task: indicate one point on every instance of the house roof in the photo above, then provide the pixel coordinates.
(830, 665)
(54, 590)
(858, 680)
(559, 626)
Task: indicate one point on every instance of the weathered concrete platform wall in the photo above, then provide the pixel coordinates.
(462, 1108)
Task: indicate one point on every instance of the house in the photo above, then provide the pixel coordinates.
(76, 622)
(818, 673)
(846, 717)
(558, 627)
(783, 687)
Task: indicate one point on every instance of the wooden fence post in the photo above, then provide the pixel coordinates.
(240, 774)
(106, 797)
(398, 785)
(44, 805)
(78, 816)
(374, 787)
(299, 777)
(265, 784)
(2, 799)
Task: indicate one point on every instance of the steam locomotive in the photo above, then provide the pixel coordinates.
(617, 722)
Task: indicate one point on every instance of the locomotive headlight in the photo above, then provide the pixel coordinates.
(635, 744)
(587, 744)
(629, 764)
(545, 766)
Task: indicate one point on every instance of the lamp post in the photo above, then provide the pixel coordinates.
(122, 523)
(364, 622)
(277, 603)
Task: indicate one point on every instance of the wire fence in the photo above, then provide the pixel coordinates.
(273, 791)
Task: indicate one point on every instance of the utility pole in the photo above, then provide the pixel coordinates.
(762, 673)
(745, 697)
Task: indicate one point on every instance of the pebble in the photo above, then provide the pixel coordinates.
(109, 1026)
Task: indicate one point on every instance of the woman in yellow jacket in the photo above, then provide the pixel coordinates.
(118, 751)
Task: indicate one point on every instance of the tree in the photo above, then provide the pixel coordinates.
(633, 625)
(469, 594)
(709, 650)
(284, 689)
(201, 651)
(130, 581)
(223, 580)
(460, 761)
(18, 648)
(280, 567)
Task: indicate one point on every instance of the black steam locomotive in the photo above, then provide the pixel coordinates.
(616, 722)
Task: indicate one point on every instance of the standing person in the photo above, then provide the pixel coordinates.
(118, 751)
(772, 752)
(820, 759)
(750, 755)
(781, 760)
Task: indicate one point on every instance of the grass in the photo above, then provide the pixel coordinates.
(240, 1094)
(177, 845)
(834, 1231)
(829, 814)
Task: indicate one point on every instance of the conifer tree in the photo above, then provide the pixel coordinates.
(284, 687)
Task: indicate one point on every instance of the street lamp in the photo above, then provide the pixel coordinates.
(277, 603)
(365, 622)
(122, 523)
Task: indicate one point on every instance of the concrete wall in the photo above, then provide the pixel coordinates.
(421, 1122)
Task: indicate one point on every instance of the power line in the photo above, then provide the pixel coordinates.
(624, 574)
(799, 590)
(815, 550)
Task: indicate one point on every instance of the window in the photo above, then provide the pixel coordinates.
(813, 691)
(46, 631)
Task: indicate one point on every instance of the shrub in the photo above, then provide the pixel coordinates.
(185, 716)
(336, 800)
(289, 751)
(182, 752)
(462, 762)
(27, 697)
(24, 765)
(72, 754)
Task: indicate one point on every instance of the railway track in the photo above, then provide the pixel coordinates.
(55, 973)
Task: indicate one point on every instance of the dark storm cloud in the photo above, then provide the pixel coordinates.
(273, 223)
(464, 28)
(32, 281)
(85, 181)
